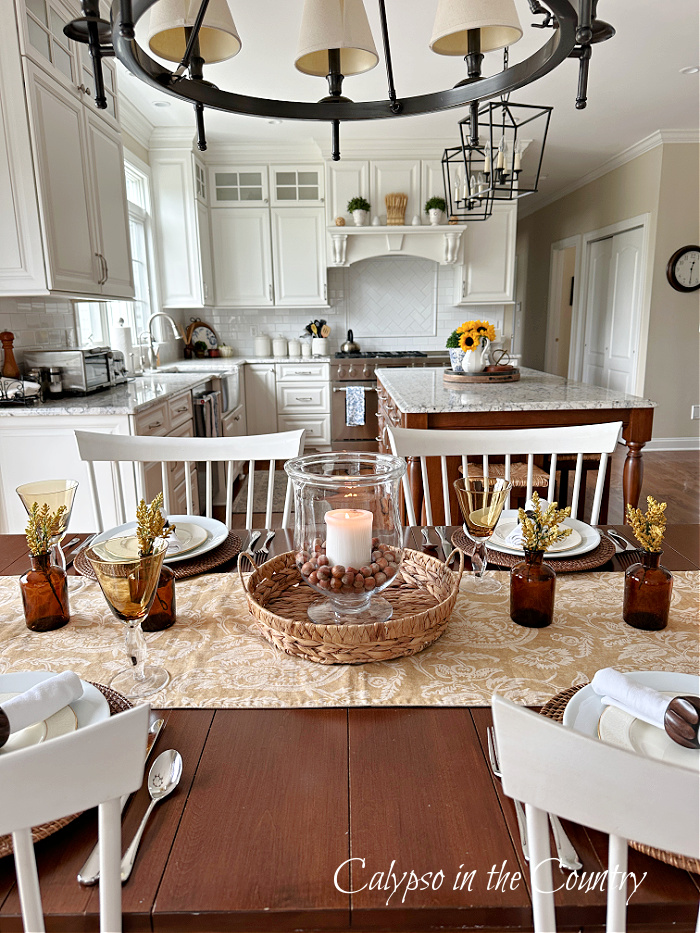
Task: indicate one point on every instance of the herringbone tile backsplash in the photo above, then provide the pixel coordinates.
(393, 296)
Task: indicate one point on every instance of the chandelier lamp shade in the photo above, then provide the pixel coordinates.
(335, 42)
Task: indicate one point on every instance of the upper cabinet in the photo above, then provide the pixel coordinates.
(65, 228)
(346, 180)
(299, 257)
(488, 272)
(292, 185)
(390, 176)
(239, 186)
(182, 236)
(242, 258)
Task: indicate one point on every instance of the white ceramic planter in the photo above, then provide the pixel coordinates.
(435, 216)
(319, 346)
(360, 218)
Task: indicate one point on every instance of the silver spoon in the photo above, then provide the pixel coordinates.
(163, 778)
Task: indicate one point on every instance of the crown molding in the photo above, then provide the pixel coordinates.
(658, 138)
(133, 122)
(172, 137)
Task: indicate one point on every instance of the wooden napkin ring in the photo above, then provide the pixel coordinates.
(682, 719)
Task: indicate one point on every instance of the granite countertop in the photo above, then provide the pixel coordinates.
(221, 364)
(127, 399)
(422, 391)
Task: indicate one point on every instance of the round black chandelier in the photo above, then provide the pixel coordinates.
(335, 42)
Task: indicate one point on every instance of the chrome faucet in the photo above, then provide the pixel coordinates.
(177, 333)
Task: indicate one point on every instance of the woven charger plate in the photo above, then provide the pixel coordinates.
(117, 704)
(423, 598)
(595, 558)
(183, 568)
(554, 709)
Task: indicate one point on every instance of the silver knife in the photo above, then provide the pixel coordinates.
(567, 855)
(447, 547)
(79, 549)
(90, 872)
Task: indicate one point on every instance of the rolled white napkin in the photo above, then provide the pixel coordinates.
(615, 689)
(42, 700)
(515, 538)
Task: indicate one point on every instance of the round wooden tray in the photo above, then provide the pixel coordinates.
(450, 376)
(423, 598)
(589, 561)
(554, 709)
(117, 704)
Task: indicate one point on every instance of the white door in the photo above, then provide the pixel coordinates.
(298, 238)
(112, 219)
(613, 311)
(261, 401)
(63, 174)
(242, 257)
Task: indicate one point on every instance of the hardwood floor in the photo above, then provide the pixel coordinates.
(671, 476)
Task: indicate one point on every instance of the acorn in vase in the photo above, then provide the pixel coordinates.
(150, 525)
(45, 586)
(648, 585)
(532, 582)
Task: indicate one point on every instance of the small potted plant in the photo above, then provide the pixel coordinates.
(648, 585)
(200, 349)
(532, 582)
(44, 588)
(435, 209)
(150, 525)
(359, 208)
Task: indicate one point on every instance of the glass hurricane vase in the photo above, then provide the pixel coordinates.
(348, 536)
(44, 594)
(647, 598)
(129, 586)
(532, 584)
(53, 493)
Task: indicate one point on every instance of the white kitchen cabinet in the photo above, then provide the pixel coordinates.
(304, 401)
(42, 39)
(261, 401)
(488, 272)
(292, 185)
(242, 253)
(346, 180)
(182, 229)
(299, 257)
(390, 176)
(432, 184)
(238, 186)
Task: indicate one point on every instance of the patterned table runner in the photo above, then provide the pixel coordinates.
(217, 660)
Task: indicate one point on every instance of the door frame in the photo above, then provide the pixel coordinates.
(578, 318)
(554, 300)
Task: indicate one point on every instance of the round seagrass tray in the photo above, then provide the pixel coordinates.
(423, 598)
(117, 704)
(183, 568)
(554, 709)
(595, 558)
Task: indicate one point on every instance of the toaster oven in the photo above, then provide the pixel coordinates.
(83, 370)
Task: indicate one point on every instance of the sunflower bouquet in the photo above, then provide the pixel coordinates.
(471, 335)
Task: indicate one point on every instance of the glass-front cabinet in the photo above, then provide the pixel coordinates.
(45, 42)
(238, 186)
(296, 184)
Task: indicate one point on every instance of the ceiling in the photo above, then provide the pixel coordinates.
(635, 86)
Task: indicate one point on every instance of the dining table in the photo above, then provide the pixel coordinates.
(313, 817)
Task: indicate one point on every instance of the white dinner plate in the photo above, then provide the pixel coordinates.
(185, 538)
(503, 529)
(90, 708)
(215, 534)
(590, 537)
(585, 713)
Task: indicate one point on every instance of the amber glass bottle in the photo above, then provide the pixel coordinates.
(647, 598)
(44, 594)
(532, 591)
(162, 612)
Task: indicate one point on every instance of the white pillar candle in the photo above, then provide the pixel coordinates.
(349, 537)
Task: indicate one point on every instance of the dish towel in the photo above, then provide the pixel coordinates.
(355, 406)
(615, 689)
(38, 703)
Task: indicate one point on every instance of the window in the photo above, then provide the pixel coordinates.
(95, 318)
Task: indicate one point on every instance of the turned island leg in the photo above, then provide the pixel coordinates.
(632, 475)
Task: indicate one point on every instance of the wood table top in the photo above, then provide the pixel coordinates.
(308, 819)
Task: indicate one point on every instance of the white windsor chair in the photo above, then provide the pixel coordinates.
(552, 769)
(116, 449)
(530, 442)
(93, 766)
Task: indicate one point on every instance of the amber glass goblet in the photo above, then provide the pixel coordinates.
(482, 500)
(54, 493)
(129, 586)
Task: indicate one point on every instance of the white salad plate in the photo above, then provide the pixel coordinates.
(215, 533)
(586, 713)
(590, 537)
(503, 529)
(90, 708)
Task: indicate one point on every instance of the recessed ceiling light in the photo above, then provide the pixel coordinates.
(274, 122)
(690, 70)
(161, 103)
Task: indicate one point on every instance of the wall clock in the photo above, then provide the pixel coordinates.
(683, 269)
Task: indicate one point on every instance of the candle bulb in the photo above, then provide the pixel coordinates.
(501, 160)
(349, 537)
(487, 161)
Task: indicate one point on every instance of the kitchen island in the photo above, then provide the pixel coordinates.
(418, 398)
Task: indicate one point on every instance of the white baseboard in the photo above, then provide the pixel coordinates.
(673, 443)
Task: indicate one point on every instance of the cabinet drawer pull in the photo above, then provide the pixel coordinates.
(237, 418)
(156, 424)
(180, 410)
(299, 399)
(303, 372)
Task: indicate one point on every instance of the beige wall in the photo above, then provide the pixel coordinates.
(663, 183)
(133, 145)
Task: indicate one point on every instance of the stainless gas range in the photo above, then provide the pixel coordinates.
(358, 369)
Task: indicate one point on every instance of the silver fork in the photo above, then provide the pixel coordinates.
(567, 855)
(248, 549)
(262, 553)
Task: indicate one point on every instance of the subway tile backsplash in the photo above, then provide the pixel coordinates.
(38, 323)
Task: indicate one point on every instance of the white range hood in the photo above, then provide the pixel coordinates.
(351, 244)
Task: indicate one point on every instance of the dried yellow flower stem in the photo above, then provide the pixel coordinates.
(648, 528)
(42, 527)
(150, 525)
(542, 530)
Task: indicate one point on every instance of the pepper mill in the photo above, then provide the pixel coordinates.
(10, 369)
